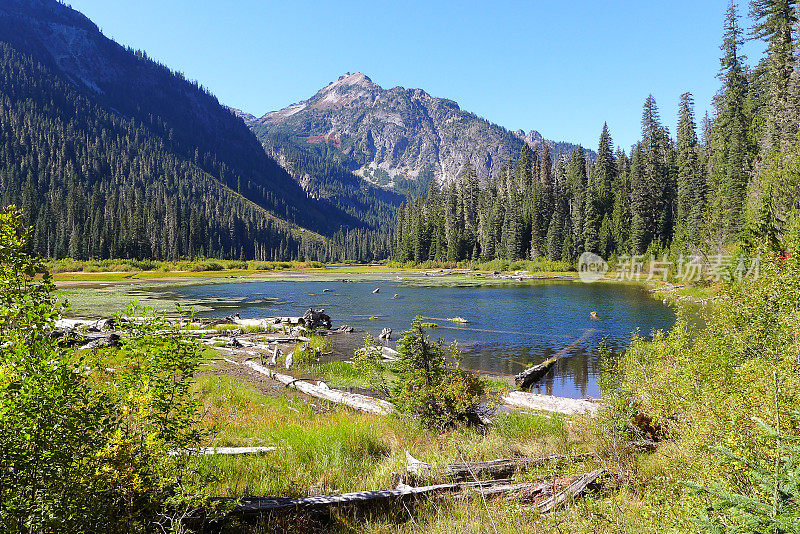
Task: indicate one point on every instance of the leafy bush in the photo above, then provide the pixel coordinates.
(430, 384)
(699, 390)
(367, 363)
(309, 352)
(85, 437)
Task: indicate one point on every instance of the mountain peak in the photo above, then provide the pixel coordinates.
(356, 78)
(347, 82)
(394, 136)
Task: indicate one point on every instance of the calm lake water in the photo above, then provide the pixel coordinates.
(510, 326)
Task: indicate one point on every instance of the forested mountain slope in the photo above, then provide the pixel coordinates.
(326, 179)
(112, 154)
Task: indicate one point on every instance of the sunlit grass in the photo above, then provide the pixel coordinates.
(330, 449)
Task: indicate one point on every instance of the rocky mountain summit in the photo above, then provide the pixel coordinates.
(392, 136)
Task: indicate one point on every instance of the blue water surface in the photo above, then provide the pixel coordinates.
(510, 326)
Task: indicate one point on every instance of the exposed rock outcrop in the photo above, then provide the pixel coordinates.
(390, 136)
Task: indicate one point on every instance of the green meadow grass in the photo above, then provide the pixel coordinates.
(328, 449)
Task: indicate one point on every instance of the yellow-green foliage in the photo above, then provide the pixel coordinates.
(327, 449)
(83, 445)
(317, 345)
(703, 388)
(534, 266)
(199, 265)
(430, 384)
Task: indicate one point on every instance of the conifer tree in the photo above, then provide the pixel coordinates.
(603, 172)
(621, 214)
(651, 183)
(691, 179)
(577, 181)
(591, 223)
(729, 136)
(774, 20)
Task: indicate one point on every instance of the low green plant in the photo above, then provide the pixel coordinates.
(767, 499)
(309, 352)
(368, 364)
(430, 385)
(85, 437)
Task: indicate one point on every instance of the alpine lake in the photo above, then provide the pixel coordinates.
(510, 324)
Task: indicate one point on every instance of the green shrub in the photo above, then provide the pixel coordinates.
(85, 437)
(698, 390)
(430, 385)
(768, 500)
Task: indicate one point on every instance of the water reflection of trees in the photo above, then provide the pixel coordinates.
(574, 375)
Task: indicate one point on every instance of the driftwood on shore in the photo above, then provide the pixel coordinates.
(548, 403)
(387, 353)
(226, 451)
(320, 390)
(524, 490)
(571, 492)
(491, 488)
(500, 468)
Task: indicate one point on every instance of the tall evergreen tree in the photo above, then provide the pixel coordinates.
(729, 137)
(774, 21)
(651, 183)
(603, 172)
(691, 179)
(591, 222)
(576, 183)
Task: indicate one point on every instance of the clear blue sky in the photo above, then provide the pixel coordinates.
(562, 68)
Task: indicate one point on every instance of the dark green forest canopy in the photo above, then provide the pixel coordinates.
(112, 154)
(735, 184)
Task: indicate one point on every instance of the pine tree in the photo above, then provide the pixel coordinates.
(729, 137)
(691, 179)
(577, 181)
(603, 172)
(774, 20)
(555, 231)
(592, 221)
(621, 214)
(651, 183)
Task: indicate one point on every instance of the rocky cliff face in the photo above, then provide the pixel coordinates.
(389, 136)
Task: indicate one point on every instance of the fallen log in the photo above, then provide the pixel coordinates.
(362, 403)
(209, 451)
(387, 353)
(534, 373)
(571, 492)
(530, 489)
(527, 377)
(266, 505)
(501, 468)
(296, 339)
(548, 403)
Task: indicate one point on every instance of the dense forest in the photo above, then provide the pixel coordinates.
(114, 155)
(93, 184)
(735, 182)
(111, 154)
(326, 179)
